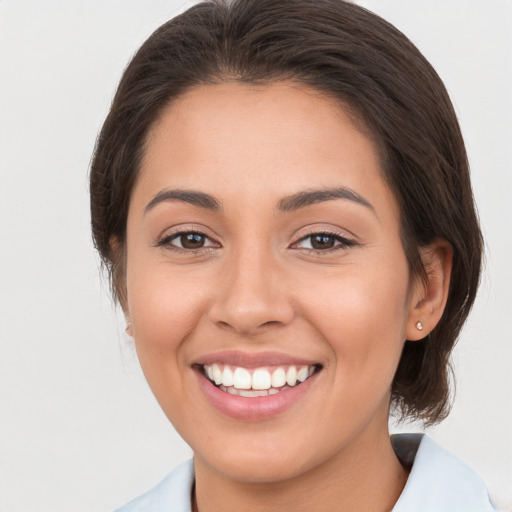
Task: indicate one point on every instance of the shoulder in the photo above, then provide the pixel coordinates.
(172, 493)
(438, 482)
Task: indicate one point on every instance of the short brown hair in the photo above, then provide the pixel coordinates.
(363, 62)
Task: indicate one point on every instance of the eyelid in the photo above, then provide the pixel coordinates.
(164, 240)
(343, 241)
(340, 236)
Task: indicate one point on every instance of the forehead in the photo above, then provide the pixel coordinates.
(259, 141)
(256, 114)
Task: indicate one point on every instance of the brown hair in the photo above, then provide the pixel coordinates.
(362, 61)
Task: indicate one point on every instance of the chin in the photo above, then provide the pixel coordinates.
(262, 468)
(261, 461)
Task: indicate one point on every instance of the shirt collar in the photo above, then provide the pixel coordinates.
(438, 481)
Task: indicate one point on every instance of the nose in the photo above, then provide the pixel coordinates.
(252, 296)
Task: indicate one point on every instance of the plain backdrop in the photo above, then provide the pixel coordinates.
(79, 429)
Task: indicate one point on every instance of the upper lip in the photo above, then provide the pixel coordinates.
(252, 359)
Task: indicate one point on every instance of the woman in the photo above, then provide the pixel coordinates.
(281, 195)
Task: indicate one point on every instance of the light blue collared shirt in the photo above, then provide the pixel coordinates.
(438, 482)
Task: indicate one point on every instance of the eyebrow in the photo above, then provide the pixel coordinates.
(287, 204)
(310, 197)
(200, 199)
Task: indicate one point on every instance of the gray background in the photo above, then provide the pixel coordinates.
(79, 429)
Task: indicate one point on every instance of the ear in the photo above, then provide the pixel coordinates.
(429, 295)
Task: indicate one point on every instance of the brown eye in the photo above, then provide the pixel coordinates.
(192, 240)
(187, 241)
(322, 241)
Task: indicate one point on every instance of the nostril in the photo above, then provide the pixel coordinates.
(248, 329)
(270, 323)
(249, 314)
(225, 325)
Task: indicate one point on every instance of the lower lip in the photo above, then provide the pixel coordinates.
(253, 408)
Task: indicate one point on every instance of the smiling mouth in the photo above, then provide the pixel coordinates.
(256, 382)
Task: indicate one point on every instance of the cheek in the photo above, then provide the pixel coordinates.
(362, 312)
(165, 307)
(358, 318)
(164, 312)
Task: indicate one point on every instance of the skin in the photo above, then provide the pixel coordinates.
(256, 286)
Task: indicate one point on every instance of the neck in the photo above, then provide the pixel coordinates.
(354, 479)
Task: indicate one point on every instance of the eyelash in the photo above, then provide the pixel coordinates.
(342, 243)
(166, 241)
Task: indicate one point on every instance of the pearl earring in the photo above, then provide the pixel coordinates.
(419, 326)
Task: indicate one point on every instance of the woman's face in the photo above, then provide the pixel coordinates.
(264, 252)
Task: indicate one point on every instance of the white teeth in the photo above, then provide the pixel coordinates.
(291, 376)
(227, 377)
(278, 378)
(242, 379)
(261, 383)
(217, 374)
(261, 379)
(252, 393)
(302, 374)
